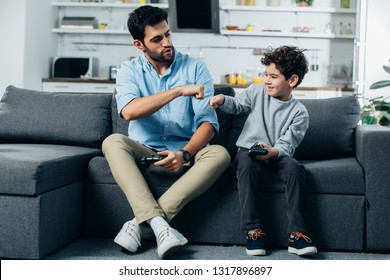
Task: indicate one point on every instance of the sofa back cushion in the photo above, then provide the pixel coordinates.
(28, 116)
(332, 124)
(119, 124)
(230, 126)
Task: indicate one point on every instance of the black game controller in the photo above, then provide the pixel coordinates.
(146, 161)
(257, 150)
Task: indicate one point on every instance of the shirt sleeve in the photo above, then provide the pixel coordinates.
(126, 86)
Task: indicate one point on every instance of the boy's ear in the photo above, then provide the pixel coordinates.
(293, 81)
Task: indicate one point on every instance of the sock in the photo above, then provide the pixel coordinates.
(158, 224)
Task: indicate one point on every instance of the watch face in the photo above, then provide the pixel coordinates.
(186, 155)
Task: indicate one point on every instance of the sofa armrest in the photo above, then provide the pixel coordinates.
(373, 153)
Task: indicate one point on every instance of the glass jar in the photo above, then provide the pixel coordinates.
(345, 4)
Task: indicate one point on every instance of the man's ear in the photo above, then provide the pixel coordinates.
(138, 44)
(293, 81)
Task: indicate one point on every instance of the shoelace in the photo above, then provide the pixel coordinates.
(162, 235)
(257, 233)
(298, 235)
(136, 234)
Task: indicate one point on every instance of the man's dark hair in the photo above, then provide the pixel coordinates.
(289, 60)
(142, 17)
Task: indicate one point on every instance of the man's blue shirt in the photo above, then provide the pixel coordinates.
(173, 125)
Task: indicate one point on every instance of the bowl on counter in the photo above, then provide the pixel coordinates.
(231, 27)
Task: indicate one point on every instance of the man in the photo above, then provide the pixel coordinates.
(164, 94)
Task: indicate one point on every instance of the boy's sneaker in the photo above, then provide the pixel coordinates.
(255, 243)
(169, 241)
(129, 237)
(300, 244)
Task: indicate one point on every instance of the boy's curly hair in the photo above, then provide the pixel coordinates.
(289, 60)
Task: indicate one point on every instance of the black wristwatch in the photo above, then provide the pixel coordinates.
(186, 155)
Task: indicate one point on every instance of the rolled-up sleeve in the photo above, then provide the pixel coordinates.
(126, 87)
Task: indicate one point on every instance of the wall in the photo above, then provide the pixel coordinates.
(377, 51)
(12, 21)
(27, 42)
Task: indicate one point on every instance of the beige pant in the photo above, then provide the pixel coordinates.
(122, 153)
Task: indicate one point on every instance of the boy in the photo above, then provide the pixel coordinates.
(277, 122)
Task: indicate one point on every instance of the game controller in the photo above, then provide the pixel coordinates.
(146, 161)
(257, 150)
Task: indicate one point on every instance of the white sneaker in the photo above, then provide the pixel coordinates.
(129, 237)
(168, 241)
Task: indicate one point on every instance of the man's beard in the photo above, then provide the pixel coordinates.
(160, 57)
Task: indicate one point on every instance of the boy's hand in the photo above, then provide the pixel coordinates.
(272, 152)
(217, 100)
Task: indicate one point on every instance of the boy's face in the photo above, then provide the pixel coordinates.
(276, 83)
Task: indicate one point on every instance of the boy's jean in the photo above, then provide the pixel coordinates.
(123, 153)
(249, 174)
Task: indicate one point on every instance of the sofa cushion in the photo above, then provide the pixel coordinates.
(332, 124)
(159, 180)
(30, 116)
(31, 169)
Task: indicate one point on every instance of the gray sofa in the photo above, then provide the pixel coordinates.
(56, 186)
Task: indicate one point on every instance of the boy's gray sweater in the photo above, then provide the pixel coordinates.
(277, 123)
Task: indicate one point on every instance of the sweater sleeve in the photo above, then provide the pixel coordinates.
(287, 143)
(242, 102)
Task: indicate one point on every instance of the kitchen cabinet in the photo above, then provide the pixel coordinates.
(330, 53)
(312, 92)
(77, 85)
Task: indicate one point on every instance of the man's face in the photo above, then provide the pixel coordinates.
(157, 43)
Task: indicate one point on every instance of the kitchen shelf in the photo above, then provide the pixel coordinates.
(90, 31)
(285, 34)
(104, 5)
(287, 9)
(230, 11)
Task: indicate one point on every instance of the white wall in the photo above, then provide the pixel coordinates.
(12, 34)
(27, 42)
(377, 47)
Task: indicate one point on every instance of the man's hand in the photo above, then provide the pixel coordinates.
(172, 162)
(192, 90)
(217, 100)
